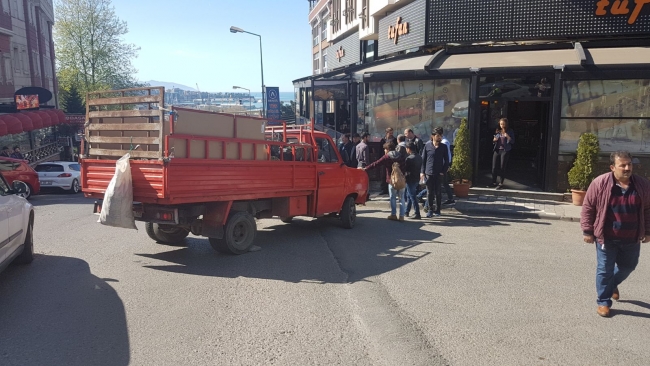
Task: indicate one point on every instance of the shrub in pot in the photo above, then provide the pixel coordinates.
(461, 167)
(584, 167)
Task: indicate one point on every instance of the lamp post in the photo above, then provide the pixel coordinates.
(239, 30)
(249, 95)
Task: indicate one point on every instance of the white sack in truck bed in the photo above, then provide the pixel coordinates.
(117, 207)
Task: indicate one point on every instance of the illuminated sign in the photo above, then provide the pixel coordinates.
(27, 102)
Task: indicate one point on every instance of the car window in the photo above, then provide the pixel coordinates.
(326, 152)
(75, 167)
(46, 168)
(6, 166)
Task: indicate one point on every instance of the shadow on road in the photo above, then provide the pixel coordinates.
(59, 198)
(290, 252)
(55, 312)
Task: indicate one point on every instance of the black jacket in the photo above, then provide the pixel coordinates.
(348, 153)
(413, 168)
(435, 160)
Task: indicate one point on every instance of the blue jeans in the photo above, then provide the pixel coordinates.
(411, 198)
(615, 263)
(394, 195)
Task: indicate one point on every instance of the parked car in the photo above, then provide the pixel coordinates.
(16, 225)
(60, 174)
(18, 170)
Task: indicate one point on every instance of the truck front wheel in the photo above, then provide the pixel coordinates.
(166, 234)
(239, 234)
(349, 213)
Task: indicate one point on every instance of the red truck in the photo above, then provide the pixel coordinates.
(213, 174)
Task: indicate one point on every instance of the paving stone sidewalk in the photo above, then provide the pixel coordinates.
(488, 205)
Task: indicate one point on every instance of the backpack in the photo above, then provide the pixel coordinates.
(397, 179)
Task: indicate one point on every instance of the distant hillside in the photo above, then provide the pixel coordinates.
(169, 85)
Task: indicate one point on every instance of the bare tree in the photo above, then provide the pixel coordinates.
(90, 49)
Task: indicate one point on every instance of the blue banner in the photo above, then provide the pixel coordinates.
(273, 105)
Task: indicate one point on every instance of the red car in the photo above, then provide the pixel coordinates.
(15, 169)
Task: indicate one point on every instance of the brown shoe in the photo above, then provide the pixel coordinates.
(392, 217)
(401, 218)
(603, 311)
(616, 295)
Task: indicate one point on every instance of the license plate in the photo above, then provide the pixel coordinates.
(46, 183)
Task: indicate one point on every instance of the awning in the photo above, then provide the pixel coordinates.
(413, 63)
(512, 59)
(53, 117)
(47, 121)
(14, 125)
(61, 115)
(37, 121)
(618, 56)
(25, 121)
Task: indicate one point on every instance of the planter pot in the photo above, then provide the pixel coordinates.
(461, 189)
(578, 196)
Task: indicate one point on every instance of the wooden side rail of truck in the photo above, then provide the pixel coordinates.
(213, 174)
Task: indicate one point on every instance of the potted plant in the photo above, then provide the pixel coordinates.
(584, 167)
(461, 166)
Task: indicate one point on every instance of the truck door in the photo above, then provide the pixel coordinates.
(331, 177)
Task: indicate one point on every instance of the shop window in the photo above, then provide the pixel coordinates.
(516, 87)
(421, 105)
(617, 111)
(369, 50)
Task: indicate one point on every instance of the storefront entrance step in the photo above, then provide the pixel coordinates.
(537, 196)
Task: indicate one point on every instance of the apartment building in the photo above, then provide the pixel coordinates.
(555, 68)
(26, 49)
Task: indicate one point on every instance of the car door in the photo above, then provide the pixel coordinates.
(4, 221)
(331, 177)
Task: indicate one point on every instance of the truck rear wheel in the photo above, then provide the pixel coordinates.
(239, 234)
(349, 213)
(286, 220)
(165, 234)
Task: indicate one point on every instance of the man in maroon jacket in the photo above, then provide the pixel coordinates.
(616, 216)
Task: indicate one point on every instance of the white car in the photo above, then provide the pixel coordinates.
(16, 225)
(60, 174)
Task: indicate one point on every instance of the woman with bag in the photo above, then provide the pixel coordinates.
(394, 164)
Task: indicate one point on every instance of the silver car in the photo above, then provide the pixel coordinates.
(16, 224)
(60, 174)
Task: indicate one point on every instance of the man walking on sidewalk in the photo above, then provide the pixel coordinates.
(413, 168)
(435, 161)
(616, 217)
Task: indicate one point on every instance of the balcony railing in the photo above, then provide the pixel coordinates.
(43, 153)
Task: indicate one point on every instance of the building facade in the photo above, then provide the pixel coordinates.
(554, 68)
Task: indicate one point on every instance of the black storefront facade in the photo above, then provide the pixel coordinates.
(579, 71)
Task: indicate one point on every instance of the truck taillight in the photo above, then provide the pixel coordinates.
(64, 175)
(165, 216)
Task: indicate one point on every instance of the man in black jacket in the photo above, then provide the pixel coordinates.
(411, 137)
(348, 152)
(435, 162)
(412, 174)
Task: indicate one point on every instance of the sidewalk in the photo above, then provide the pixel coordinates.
(484, 205)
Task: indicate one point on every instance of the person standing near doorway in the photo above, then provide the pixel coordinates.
(616, 217)
(411, 137)
(435, 161)
(503, 140)
(413, 167)
(445, 178)
(386, 163)
(347, 151)
(388, 137)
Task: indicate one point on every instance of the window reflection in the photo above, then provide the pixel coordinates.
(606, 98)
(614, 134)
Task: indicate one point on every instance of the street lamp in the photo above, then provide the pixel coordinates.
(239, 30)
(249, 95)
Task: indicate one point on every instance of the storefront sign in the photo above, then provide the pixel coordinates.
(273, 106)
(456, 21)
(395, 31)
(345, 52)
(27, 102)
(404, 29)
(75, 119)
(605, 7)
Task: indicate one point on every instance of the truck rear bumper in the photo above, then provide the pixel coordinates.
(159, 215)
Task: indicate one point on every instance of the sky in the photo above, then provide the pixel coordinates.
(189, 42)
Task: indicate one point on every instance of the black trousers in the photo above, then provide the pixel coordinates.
(499, 156)
(434, 189)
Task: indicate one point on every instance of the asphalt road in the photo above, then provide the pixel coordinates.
(452, 290)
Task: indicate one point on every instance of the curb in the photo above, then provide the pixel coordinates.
(487, 212)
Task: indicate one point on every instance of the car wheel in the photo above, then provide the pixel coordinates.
(349, 213)
(75, 187)
(27, 256)
(239, 234)
(28, 190)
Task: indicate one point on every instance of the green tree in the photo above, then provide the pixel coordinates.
(71, 100)
(91, 52)
(461, 166)
(584, 167)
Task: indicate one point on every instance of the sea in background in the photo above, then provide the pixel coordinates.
(285, 97)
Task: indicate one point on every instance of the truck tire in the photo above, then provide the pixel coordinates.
(239, 234)
(166, 234)
(286, 220)
(349, 213)
(27, 256)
